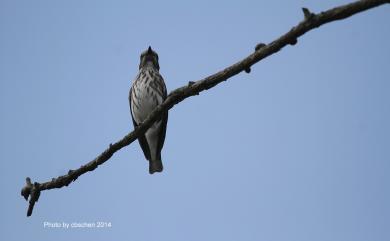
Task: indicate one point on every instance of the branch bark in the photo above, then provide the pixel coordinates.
(262, 51)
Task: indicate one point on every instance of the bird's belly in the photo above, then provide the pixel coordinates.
(145, 104)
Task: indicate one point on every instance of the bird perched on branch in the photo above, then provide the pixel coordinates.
(147, 92)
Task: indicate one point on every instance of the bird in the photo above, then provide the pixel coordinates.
(147, 91)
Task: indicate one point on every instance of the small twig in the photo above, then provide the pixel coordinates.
(308, 15)
(32, 191)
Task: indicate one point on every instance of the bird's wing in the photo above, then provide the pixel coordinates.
(164, 121)
(142, 140)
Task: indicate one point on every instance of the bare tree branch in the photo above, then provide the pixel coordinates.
(262, 51)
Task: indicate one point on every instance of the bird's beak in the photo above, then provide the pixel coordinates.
(149, 50)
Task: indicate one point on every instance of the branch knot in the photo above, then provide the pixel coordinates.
(260, 46)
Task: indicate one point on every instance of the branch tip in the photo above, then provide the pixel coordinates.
(35, 192)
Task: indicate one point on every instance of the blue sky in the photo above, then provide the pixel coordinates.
(296, 150)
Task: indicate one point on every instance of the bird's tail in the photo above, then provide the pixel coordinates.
(155, 166)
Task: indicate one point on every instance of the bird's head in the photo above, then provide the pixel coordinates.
(149, 57)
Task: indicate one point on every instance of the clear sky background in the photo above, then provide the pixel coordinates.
(299, 149)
